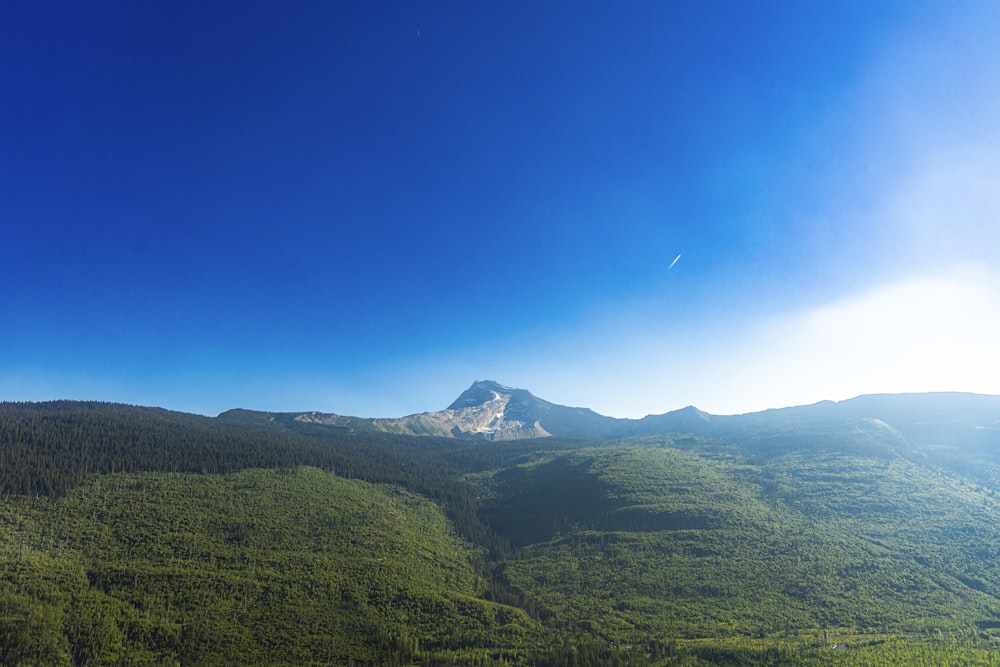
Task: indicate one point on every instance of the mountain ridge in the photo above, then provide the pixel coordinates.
(490, 411)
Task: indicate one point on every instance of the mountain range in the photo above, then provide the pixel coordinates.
(488, 410)
(954, 431)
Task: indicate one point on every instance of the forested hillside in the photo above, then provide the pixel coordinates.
(141, 536)
(272, 566)
(664, 541)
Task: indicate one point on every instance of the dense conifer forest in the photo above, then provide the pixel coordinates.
(141, 536)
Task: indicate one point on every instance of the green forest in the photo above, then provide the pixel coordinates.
(139, 536)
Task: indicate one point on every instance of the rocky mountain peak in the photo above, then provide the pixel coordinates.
(482, 392)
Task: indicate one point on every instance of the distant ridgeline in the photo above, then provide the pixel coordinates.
(856, 533)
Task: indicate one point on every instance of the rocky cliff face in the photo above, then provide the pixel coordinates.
(495, 412)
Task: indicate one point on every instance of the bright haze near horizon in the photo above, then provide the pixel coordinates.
(363, 207)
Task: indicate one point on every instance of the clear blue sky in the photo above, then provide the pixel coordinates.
(363, 207)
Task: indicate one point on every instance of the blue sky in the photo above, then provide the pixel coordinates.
(363, 207)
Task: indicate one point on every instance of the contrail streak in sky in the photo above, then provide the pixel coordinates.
(673, 262)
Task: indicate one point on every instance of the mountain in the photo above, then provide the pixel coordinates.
(486, 410)
(503, 412)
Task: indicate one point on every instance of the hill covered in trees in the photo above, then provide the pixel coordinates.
(142, 536)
